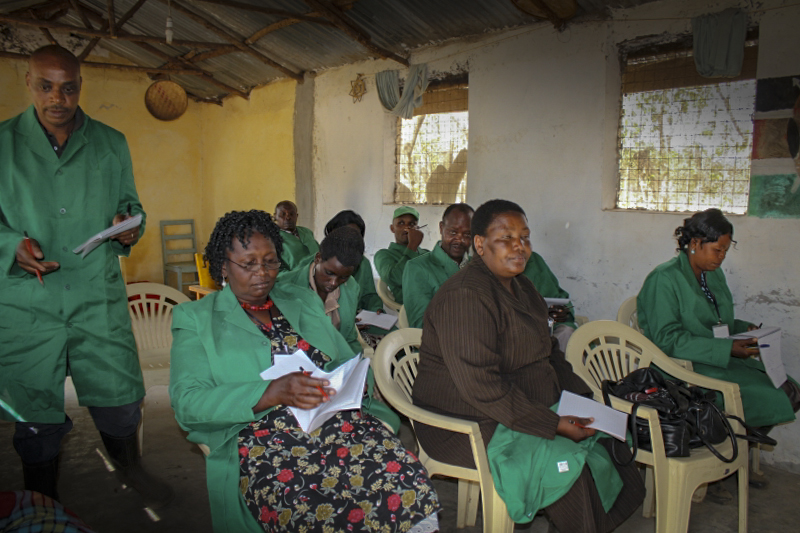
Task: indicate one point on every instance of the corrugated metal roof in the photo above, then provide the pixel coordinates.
(395, 26)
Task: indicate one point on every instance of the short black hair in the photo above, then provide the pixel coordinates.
(285, 204)
(345, 218)
(490, 210)
(240, 225)
(461, 208)
(708, 226)
(345, 244)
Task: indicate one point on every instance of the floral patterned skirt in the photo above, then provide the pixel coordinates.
(352, 474)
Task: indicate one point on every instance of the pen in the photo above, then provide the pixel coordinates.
(423, 226)
(129, 209)
(759, 326)
(324, 394)
(29, 246)
(577, 424)
(763, 345)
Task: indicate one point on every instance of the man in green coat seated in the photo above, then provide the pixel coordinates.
(547, 284)
(65, 178)
(391, 262)
(425, 274)
(298, 242)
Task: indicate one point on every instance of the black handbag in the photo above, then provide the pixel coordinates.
(688, 416)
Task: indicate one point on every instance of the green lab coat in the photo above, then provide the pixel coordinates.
(295, 249)
(368, 297)
(81, 311)
(546, 283)
(677, 316)
(391, 262)
(217, 356)
(422, 278)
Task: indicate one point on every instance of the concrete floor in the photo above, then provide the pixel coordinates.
(89, 489)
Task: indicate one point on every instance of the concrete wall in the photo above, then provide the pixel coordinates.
(543, 119)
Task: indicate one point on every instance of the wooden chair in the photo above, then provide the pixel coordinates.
(386, 295)
(395, 367)
(178, 247)
(150, 308)
(605, 349)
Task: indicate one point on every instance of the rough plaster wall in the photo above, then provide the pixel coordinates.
(303, 151)
(543, 119)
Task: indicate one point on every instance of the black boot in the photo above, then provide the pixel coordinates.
(42, 477)
(124, 455)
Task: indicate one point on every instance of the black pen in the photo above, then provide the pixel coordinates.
(423, 226)
(129, 209)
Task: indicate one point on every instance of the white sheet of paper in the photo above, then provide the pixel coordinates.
(381, 320)
(347, 380)
(769, 347)
(95, 240)
(606, 419)
(556, 301)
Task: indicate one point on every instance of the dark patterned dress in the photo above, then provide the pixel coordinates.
(352, 474)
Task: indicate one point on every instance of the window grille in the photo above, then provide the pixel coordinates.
(685, 141)
(431, 149)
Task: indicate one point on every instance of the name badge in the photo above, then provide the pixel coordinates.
(720, 331)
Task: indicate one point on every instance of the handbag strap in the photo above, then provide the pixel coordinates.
(753, 434)
(632, 428)
(728, 430)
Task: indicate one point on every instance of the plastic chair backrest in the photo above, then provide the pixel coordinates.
(395, 367)
(178, 242)
(386, 295)
(150, 308)
(203, 276)
(627, 314)
(402, 318)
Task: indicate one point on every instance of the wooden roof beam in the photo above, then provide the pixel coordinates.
(237, 42)
(335, 15)
(111, 18)
(114, 66)
(305, 17)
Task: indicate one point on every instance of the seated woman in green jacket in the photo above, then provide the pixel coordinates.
(685, 307)
(264, 472)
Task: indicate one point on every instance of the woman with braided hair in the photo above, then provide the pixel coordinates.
(264, 473)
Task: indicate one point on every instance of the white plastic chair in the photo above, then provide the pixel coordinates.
(386, 295)
(150, 308)
(607, 350)
(627, 314)
(395, 367)
(402, 318)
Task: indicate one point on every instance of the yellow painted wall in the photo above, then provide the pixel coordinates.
(248, 153)
(209, 161)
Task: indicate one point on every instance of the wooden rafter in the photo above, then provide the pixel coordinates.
(202, 56)
(26, 21)
(127, 16)
(269, 29)
(111, 18)
(304, 17)
(335, 15)
(79, 10)
(234, 40)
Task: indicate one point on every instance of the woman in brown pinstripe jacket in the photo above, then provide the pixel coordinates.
(487, 355)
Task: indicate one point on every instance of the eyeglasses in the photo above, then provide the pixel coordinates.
(254, 267)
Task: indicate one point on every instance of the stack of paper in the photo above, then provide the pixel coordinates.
(382, 320)
(606, 419)
(347, 380)
(769, 347)
(96, 240)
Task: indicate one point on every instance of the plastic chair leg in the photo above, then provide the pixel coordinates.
(755, 460)
(496, 520)
(678, 507)
(744, 477)
(468, 496)
(649, 505)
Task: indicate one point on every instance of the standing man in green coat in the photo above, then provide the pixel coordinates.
(424, 275)
(391, 262)
(298, 242)
(63, 178)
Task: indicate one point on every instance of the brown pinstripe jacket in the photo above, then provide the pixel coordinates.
(487, 356)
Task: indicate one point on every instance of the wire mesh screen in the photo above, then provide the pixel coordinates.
(686, 147)
(432, 159)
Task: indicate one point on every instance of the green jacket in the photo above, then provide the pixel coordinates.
(348, 301)
(295, 249)
(368, 296)
(217, 356)
(546, 282)
(82, 307)
(422, 278)
(391, 262)
(677, 316)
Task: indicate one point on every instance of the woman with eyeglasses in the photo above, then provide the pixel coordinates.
(263, 472)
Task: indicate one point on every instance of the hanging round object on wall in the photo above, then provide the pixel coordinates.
(166, 100)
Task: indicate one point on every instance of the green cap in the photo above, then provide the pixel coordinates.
(405, 210)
